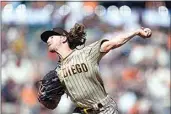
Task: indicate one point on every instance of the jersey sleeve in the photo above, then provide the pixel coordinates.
(93, 51)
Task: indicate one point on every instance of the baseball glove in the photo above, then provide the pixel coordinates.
(50, 88)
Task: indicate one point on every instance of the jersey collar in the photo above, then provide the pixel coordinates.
(62, 59)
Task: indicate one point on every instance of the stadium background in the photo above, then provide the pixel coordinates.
(137, 74)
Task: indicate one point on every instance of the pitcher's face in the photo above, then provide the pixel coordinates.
(53, 43)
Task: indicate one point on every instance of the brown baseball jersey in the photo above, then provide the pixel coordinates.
(79, 71)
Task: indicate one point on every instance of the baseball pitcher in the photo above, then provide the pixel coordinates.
(77, 73)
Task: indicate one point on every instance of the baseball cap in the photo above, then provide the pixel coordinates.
(55, 31)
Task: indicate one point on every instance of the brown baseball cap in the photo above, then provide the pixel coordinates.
(55, 31)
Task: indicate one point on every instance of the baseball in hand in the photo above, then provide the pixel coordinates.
(145, 32)
(148, 31)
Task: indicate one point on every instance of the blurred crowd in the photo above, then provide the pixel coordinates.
(137, 74)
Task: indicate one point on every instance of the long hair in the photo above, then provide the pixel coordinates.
(76, 36)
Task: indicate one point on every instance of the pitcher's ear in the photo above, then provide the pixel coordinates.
(64, 39)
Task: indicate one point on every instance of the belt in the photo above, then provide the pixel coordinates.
(96, 107)
(103, 102)
(90, 110)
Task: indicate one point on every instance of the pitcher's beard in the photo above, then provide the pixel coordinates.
(52, 51)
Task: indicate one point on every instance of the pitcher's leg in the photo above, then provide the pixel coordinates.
(110, 108)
